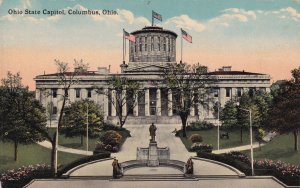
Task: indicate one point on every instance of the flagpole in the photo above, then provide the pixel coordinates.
(152, 18)
(123, 48)
(181, 47)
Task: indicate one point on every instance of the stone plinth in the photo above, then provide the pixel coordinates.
(153, 154)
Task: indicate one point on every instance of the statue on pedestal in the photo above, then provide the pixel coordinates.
(117, 171)
(189, 166)
(152, 130)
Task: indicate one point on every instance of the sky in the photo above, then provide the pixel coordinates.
(252, 35)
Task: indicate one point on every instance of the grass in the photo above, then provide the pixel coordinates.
(29, 154)
(280, 148)
(74, 142)
(210, 137)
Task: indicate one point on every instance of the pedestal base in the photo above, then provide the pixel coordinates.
(153, 154)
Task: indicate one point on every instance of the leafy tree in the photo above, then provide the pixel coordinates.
(19, 113)
(76, 116)
(123, 93)
(189, 87)
(284, 115)
(229, 114)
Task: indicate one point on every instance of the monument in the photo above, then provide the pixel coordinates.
(153, 154)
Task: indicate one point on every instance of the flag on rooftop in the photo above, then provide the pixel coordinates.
(186, 36)
(156, 16)
(129, 36)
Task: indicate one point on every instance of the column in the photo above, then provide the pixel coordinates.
(158, 102)
(200, 105)
(136, 105)
(124, 103)
(105, 105)
(170, 103)
(222, 96)
(192, 110)
(147, 102)
(113, 103)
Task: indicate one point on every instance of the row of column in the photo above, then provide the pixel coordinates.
(147, 104)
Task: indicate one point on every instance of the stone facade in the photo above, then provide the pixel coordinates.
(155, 100)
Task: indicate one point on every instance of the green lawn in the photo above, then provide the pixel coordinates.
(29, 154)
(280, 148)
(74, 142)
(210, 137)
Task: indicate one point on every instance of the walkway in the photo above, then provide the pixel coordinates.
(165, 137)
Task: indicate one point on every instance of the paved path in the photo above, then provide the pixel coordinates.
(165, 137)
(211, 183)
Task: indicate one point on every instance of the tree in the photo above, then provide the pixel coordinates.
(243, 116)
(65, 79)
(284, 115)
(19, 113)
(189, 87)
(75, 119)
(229, 114)
(123, 94)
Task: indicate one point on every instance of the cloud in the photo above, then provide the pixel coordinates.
(1, 1)
(296, 1)
(293, 12)
(233, 15)
(185, 22)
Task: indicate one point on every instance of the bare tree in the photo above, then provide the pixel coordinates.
(123, 93)
(189, 85)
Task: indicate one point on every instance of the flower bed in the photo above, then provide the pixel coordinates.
(198, 147)
(22, 176)
(287, 173)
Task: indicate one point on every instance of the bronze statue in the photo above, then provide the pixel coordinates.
(117, 171)
(189, 166)
(152, 130)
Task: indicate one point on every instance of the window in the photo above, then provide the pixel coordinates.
(77, 93)
(251, 92)
(228, 92)
(54, 110)
(54, 93)
(89, 93)
(145, 47)
(239, 92)
(152, 45)
(216, 92)
(165, 44)
(169, 46)
(140, 44)
(66, 92)
(158, 43)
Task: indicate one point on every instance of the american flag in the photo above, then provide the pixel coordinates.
(156, 15)
(129, 36)
(186, 36)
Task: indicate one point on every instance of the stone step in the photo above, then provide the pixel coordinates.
(155, 177)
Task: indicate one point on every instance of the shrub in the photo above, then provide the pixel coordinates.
(100, 147)
(111, 138)
(201, 148)
(196, 138)
(22, 176)
(200, 125)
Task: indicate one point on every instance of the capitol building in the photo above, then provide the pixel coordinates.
(151, 53)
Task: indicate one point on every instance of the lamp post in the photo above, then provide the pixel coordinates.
(251, 144)
(218, 124)
(87, 129)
